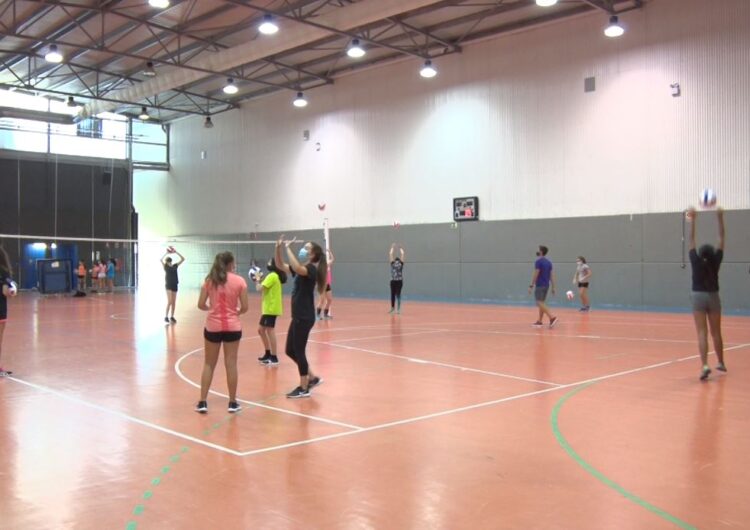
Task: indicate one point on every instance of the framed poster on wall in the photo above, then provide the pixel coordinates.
(466, 209)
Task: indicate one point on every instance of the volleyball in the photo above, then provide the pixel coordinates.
(170, 249)
(570, 295)
(707, 198)
(254, 273)
(12, 288)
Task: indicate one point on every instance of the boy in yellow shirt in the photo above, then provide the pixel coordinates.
(271, 308)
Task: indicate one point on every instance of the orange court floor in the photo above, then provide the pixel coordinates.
(448, 416)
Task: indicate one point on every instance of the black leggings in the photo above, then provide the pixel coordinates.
(396, 286)
(296, 341)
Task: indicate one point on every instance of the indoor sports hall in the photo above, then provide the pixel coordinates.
(374, 264)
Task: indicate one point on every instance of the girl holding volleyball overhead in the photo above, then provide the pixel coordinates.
(224, 296)
(397, 277)
(171, 280)
(8, 289)
(705, 263)
(309, 270)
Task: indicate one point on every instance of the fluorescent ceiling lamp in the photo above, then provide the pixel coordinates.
(268, 26)
(161, 4)
(53, 56)
(614, 29)
(230, 87)
(428, 71)
(300, 101)
(546, 3)
(355, 50)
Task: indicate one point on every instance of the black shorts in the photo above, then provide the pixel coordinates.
(268, 321)
(583, 284)
(328, 287)
(172, 287)
(221, 336)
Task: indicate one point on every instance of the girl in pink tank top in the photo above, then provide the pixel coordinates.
(224, 296)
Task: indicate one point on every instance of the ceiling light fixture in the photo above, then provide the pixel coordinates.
(208, 124)
(149, 70)
(614, 29)
(546, 3)
(53, 56)
(355, 50)
(160, 4)
(428, 71)
(268, 26)
(300, 101)
(144, 114)
(71, 102)
(230, 88)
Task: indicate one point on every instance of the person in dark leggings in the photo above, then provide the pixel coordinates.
(705, 263)
(8, 289)
(309, 270)
(397, 277)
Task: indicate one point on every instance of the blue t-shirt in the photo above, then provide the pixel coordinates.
(544, 266)
(110, 270)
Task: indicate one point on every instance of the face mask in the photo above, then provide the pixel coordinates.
(302, 255)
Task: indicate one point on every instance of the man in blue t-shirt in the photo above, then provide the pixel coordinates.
(542, 279)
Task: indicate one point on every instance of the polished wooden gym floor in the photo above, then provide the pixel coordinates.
(443, 417)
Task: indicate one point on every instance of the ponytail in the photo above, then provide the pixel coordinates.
(220, 268)
(319, 258)
(5, 262)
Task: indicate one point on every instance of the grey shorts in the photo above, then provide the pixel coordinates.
(540, 294)
(705, 302)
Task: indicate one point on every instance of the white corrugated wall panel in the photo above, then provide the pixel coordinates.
(506, 120)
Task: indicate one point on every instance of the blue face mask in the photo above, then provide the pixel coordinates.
(302, 255)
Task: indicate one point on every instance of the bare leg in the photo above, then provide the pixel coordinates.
(211, 357)
(702, 329)
(230, 364)
(714, 323)
(263, 332)
(584, 296)
(2, 330)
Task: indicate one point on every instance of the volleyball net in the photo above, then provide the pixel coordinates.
(53, 264)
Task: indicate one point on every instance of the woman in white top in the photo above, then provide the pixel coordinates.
(581, 278)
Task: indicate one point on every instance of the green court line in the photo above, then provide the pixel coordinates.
(600, 476)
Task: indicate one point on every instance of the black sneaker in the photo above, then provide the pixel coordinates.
(720, 367)
(298, 392)
(5, 373)
(552, 322)
(315, 381)
(266, 357)
(173, 320)
(705, 373)
(201, 407)
(272, 361)
(233, 407)
(166, 319)
(538, 324)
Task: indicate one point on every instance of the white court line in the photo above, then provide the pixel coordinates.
(125, 416)
(476, 406)
(255, 403)
(435, 363)
(392, 335)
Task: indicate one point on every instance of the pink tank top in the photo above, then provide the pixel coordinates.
(224, 304)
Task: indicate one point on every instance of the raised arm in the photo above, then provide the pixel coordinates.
(403, 254)
(692, 219)
(331, 257)
(163, 258)
(279, 255)
(720, 218)
(182, 258)
(392, 252)
(294, 263)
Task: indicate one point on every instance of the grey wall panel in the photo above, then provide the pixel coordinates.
(615, 238)
(636, 262)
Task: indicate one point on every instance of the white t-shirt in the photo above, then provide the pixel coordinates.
(582, 273)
